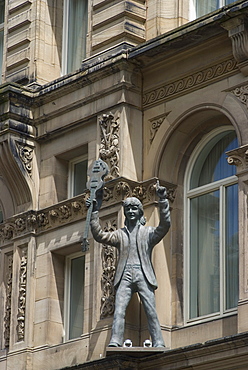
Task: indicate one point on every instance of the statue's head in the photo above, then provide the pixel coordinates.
(135, 202)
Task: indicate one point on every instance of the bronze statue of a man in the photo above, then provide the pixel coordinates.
(134, 273)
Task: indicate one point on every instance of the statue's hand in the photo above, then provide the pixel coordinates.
(96, 202)
(88, 203)
(161, 191)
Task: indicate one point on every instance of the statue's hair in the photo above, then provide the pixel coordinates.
(136, 202)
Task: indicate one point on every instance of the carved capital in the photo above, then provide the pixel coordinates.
(239, 158)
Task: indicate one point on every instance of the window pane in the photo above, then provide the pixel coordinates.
(211, 164)
(80, 177)
(2, 10)
(231, 246)
(206, 6)
(1, 216)
(77, 31)
(76, 297)
(204, 255)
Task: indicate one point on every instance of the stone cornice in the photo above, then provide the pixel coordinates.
(74, 209)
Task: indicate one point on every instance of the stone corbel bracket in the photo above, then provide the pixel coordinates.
(238, 32)
(239, 158)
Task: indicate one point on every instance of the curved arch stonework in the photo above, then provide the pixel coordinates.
(18, 173)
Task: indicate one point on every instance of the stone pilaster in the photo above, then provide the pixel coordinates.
(239, 157)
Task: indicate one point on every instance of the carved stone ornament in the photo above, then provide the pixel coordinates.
(26, 155)
(7, 316)
(242, 94)
(109, 147)
(239, 158)
(22, 296)
(69, 211)
(190, 82)
(155, 123)
(238, 32)
(107, 279)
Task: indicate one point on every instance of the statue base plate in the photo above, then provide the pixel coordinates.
(135, 351)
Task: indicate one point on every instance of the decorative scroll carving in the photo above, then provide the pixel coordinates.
(155, 123)
(70, 211)
(7, 316)
(22, 296)
(107, 279)
(242, 94)
(183, 85)
(26, 155)
(109, 148)
(239, 158)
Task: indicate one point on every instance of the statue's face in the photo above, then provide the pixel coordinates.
(132, 212)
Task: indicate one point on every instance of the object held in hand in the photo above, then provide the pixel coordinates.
(96, 173)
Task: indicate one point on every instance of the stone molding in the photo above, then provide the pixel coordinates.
(108, 273)
(74, 209)
(190, 82)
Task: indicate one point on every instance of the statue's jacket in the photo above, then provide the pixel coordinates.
(147, 238)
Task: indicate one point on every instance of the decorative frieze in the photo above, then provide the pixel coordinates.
(22, 296)
(109, 148)
(187, 83)
(107, 279)
(73, 210)
(7, 316)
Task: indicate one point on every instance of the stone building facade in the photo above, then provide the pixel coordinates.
(157, 89)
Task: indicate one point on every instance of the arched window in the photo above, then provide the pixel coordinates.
(211, 228)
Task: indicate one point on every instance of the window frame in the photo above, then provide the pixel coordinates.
(192, 9)
(2, 31)
(65, 33)
(71, 178)
(188, 195)
(67, 294)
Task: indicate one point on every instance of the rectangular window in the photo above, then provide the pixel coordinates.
(77, 176)
(74, 296)
(204, 255)
(2, 14)
(75, 26)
